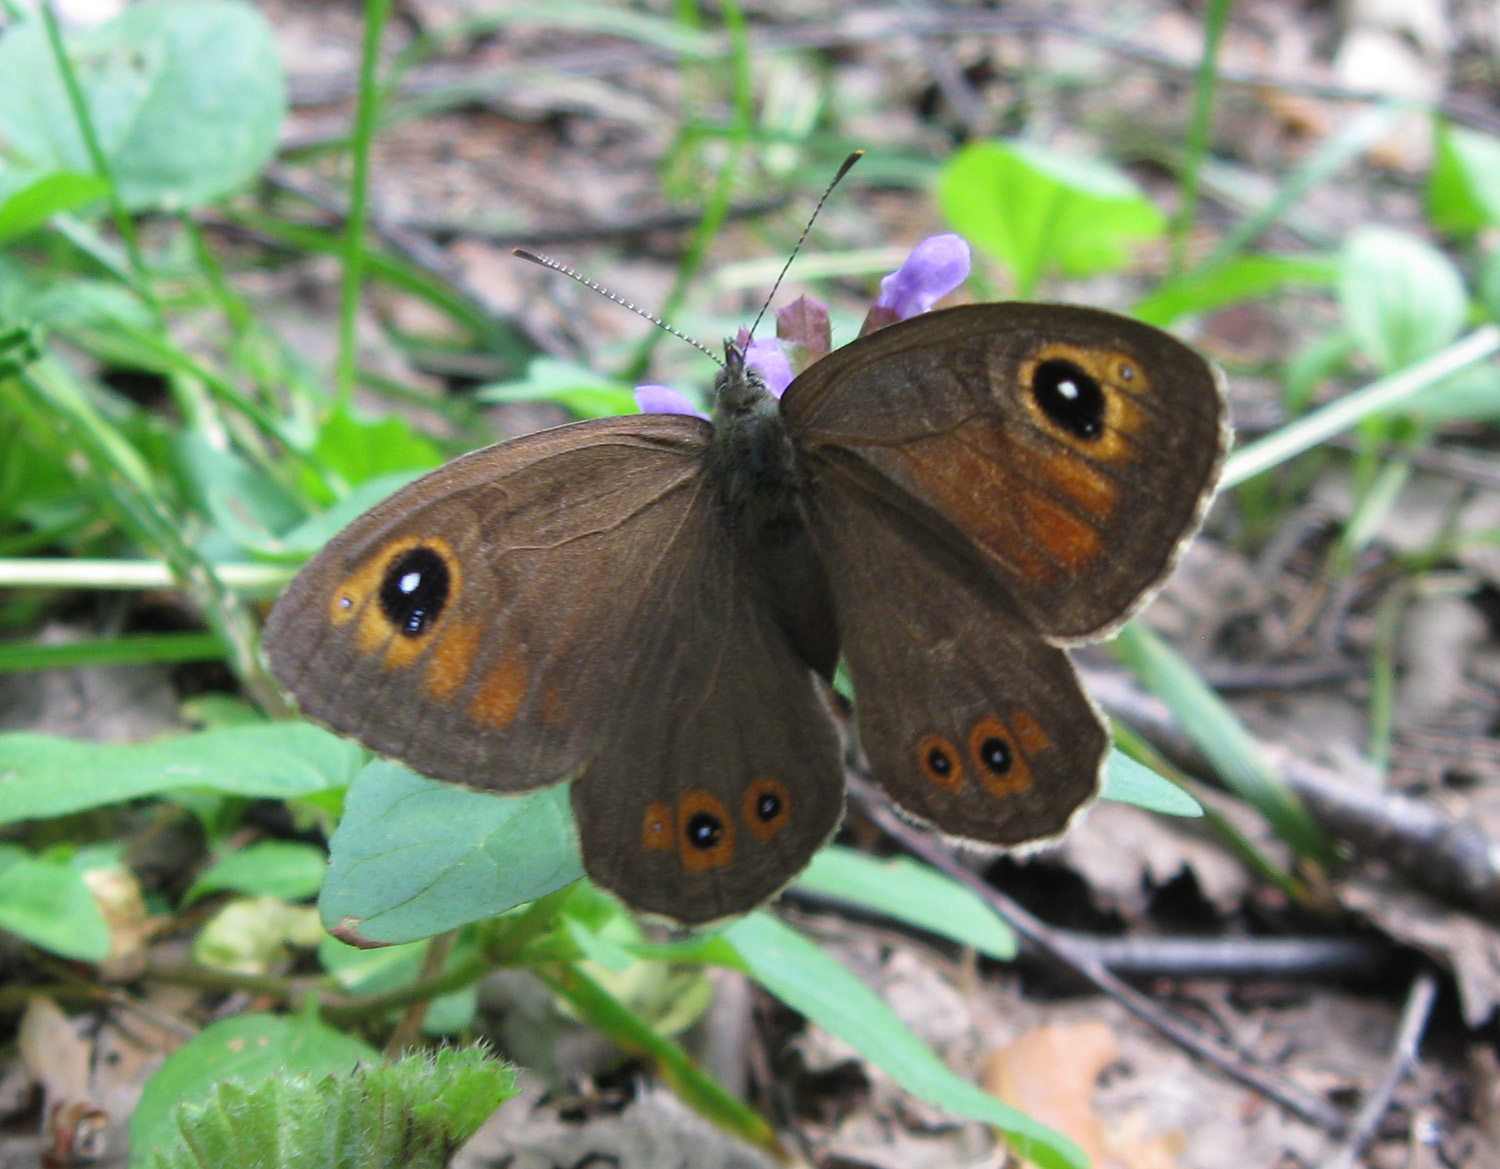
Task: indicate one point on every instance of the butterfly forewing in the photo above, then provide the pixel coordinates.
(1071, 449)
(480, 624)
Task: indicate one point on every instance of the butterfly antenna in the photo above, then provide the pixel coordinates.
(802, 239)
(548, 262)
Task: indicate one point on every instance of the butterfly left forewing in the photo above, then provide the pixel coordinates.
(722, 773)
(970, 721)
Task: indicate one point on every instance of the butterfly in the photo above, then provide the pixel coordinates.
(650, 607)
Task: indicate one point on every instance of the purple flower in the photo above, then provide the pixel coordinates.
(766, 356)
(936, 266)
(654, 399)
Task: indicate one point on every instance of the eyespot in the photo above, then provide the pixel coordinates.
(768, 807)
(705, 833)
(940, 763)
(1070, 397)
(1001, 767)
(656, 832)
(414, 590)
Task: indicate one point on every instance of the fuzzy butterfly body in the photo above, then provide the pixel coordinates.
(647, 606)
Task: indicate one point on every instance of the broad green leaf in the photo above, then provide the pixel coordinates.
(45, 776)
(1037, 210)
(248, 1048)
(360, 449)
(286, 869)
(576, 388)
(26, 207)
(245, 504)
(413, 1114)
(910, 892)
(1463, 192)
(413, 857)
(1244, 278)
(1402, 299)
(1135, 783)
(47, 902)
(802, 975)
(186, 97)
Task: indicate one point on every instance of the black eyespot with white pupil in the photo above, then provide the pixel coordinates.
(995, 754)
(1070, 397)
(767, 806)
(415, 590)
(940, 763)
(704, 830)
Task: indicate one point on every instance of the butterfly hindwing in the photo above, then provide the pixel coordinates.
(970, 721)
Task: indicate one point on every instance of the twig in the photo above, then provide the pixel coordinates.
(405, 1033)
(1438, 852)
(1409, 1031)
(1049, 942)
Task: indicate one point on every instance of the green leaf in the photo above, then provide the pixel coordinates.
(1463, 192)
(1402, 299)
(186, 97)
(1243, 278)
(29, 205)
(413, 857)
(1131, 782)
(387, 967)
(47, 903)
(911, 892)
(804, 977)
(578, 389)
(45, 776)
(1037, 210)
(244, 503)
(273, 868)
(249, 1048)
(360, 449)
(413, 1114)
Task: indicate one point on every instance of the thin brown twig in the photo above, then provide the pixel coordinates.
(1047, 941)
(1409, 1030)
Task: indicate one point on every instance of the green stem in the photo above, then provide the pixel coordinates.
(1198, 133)
(376, 14)
(123, 223)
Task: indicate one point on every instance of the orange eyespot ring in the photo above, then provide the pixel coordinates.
(705, 833)
(656, 832)
(940, 763)
(1001, 768)
(768, 807)
(1029, 734)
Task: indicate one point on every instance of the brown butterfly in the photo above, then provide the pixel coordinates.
(647, 606)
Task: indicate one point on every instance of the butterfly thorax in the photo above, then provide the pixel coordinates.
(761, 489)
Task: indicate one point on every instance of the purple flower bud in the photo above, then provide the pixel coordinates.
(767, 357)
(654, 399)
(936, 266)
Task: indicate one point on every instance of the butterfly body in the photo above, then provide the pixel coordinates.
(644, 606)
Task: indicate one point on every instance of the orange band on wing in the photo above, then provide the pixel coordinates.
(500, 694)
(451, 660)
